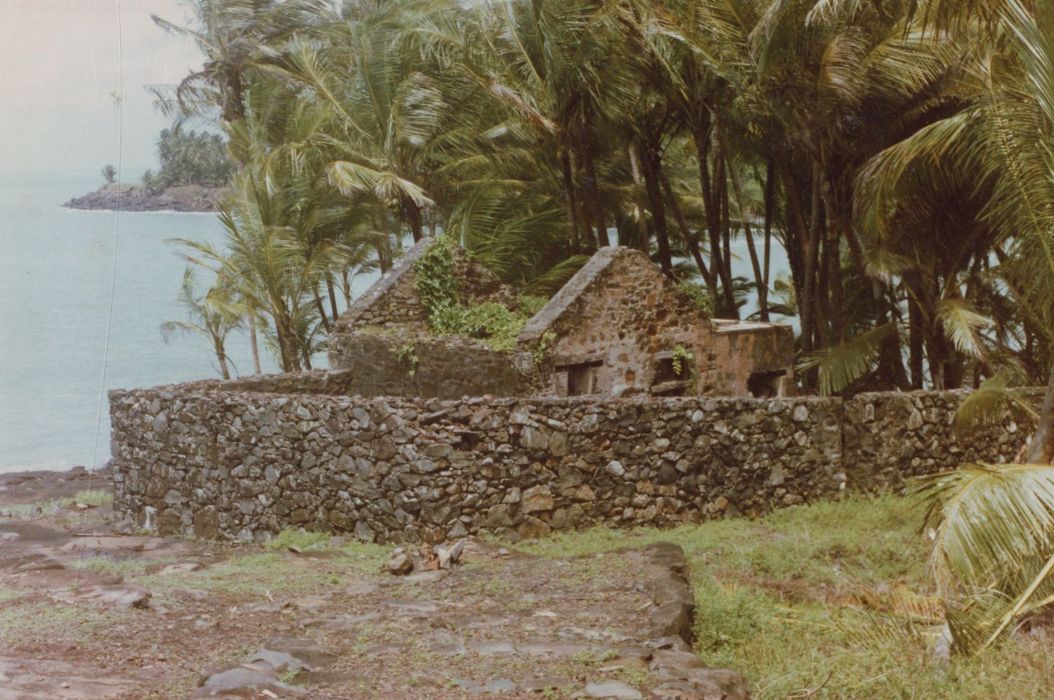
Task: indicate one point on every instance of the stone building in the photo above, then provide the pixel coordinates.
(621, 326)
(618, 327)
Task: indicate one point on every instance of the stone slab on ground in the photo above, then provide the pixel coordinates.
(212, 620)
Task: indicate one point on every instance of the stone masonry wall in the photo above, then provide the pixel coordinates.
(888, 437)
(430, 367)
(245, 464)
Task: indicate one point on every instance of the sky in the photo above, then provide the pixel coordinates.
(64, 63)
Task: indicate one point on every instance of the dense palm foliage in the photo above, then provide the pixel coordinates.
(856, 140)
(899, 155)
(189, 158)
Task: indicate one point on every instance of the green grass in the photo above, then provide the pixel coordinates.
(30, 623)
(255, 573)
(107, 565)
(801, 603)
(301, 539)
(95, 497)
(10, 593)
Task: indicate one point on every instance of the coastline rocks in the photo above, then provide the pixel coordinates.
(187, 198)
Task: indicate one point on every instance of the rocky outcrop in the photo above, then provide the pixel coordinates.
(188, 198)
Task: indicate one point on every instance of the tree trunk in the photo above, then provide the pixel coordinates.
(713, 214)
(572, 200)
(770, 204)
(651, 165)
(1040, 449)
(724, 242)
(689, 238)
(643, 226)
(915, 341)
(253, 347)
(221, 356)
(345, 287)
(748, 233)
(412, 212)
(321, 308)
(330, 287)
(812, 252)
(596, 208)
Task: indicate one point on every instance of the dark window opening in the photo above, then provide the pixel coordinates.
(667, 382)
(765, 384)
(666, 372)
(582, 377)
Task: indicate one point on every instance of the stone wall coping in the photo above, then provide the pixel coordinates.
(926, 393)
(216, 391)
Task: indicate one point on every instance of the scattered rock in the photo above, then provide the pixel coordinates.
(242, 681)
(613, 689)
(499, 686)
(448, 556)
(121, 596)
(401, 564)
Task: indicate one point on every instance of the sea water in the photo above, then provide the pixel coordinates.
(61, 348)
(82, 297)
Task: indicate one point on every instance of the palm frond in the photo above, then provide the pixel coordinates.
(843, 364)
(993, 545)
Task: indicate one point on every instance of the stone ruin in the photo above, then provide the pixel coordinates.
(621, 404)
(619, 327)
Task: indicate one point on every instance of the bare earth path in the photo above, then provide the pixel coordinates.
(88, 613)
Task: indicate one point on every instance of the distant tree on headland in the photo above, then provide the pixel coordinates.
(110, 173)
(189, 158)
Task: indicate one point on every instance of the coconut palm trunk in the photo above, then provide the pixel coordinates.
(254, 348)
(1040, 449)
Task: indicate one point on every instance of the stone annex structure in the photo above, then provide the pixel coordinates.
(618, 327)
(621, 403)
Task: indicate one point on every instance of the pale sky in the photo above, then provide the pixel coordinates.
(61, 64)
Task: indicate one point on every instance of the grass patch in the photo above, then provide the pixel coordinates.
(250, 574)
(106, 565)
(300, 539)
(257, 573)
(803, 601)
(9, 593)
(32, 623)
(94, 498)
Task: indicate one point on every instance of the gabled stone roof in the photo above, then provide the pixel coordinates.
(403, 264)
(393, 301)
(570, 293)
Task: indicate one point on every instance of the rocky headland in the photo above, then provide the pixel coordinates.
(185, 198)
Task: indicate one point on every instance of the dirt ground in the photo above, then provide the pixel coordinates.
(89, 613)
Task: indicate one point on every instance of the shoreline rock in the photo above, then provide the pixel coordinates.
(131, 198)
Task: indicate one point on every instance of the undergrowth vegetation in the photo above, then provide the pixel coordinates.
(831, 600)
(436, 284)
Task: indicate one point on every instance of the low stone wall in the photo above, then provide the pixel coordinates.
(239, 463)
(444, 368)
(247, 464)
(889, 436)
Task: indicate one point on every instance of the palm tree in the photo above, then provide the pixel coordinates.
(213, 315)
(231, 34)
(994, 551)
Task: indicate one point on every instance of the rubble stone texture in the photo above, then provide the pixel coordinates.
(614, 328)
(242, 464)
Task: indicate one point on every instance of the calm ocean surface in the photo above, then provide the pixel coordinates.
(55, 284)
